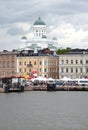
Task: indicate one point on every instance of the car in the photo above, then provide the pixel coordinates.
(36, 82)
(59, 83)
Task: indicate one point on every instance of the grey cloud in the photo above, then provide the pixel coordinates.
(16, 11)
(83, 1)
(15, 31)
(85, 40)
(70, 8)
(53, 12)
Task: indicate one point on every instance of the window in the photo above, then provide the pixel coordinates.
(29, 62)
(86, 70)
(81, 70)
(66, 70)
(13, 72)
(39, 35)
(62, 70)
(66, 61)
(20, 70)
(81, 62)
(25, 63)
(76, 70)
(8, 56)
(25, 70)
(3, 64)
(13, 64)
(71, 61)
(8, 64)
(29, 70)
(13, 57)
(36, 34)
(34, 62)
(40, 70)
(86, 61)
(45, 70)
(40, 62)
(20, 63)
(76, 61)
(62, 61)
(45, 62)
(71, 70)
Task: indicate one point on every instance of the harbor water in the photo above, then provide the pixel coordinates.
(42, 110)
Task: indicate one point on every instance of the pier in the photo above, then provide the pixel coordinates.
(55, 88)
(14, 85)
(11, 84)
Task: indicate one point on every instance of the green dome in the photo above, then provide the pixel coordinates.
(44, 36)
(54, 38)
(23, 37)
(39, 22)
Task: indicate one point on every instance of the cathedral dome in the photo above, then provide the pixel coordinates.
(39, 22)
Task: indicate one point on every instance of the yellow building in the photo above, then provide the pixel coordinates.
(45, 65)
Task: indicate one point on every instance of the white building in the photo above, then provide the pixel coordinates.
(40, 39)
(74, 64)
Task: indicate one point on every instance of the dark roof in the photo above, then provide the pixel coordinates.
(76, 51)
(44, 52)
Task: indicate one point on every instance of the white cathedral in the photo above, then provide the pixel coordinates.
(40, 39)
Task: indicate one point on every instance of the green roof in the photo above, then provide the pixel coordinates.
(44, 36)
(23, 37)
(54, 38)
(39, 22)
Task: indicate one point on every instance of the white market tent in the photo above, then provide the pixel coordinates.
(66, 79)
(39, 78)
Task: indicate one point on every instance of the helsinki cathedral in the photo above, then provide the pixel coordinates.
(40, 39)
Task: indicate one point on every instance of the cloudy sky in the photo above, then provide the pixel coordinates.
(65, 19)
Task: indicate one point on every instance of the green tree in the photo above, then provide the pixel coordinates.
(63, 51)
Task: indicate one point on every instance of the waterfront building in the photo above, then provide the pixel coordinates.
(8, 63)
(74, 64)
(44, 63)
(40, 39)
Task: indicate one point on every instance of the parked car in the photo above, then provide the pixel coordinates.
(35, 82)
(59, 83)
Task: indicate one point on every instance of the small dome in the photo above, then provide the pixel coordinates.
(54, 38)
(24, 37)
(44, 36)
(39, 22)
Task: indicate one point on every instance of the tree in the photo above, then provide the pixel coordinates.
(63, 51)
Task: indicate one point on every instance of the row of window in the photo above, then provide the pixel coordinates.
(7, 64)
(74, 61)
(73, 70)
(45, 70)
(39, 34)
(6, 57)
(40, 31)
(41, 63)
(7, 73)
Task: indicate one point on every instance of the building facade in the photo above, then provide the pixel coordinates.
(8, 63)
(74, 64)
(45, 65)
